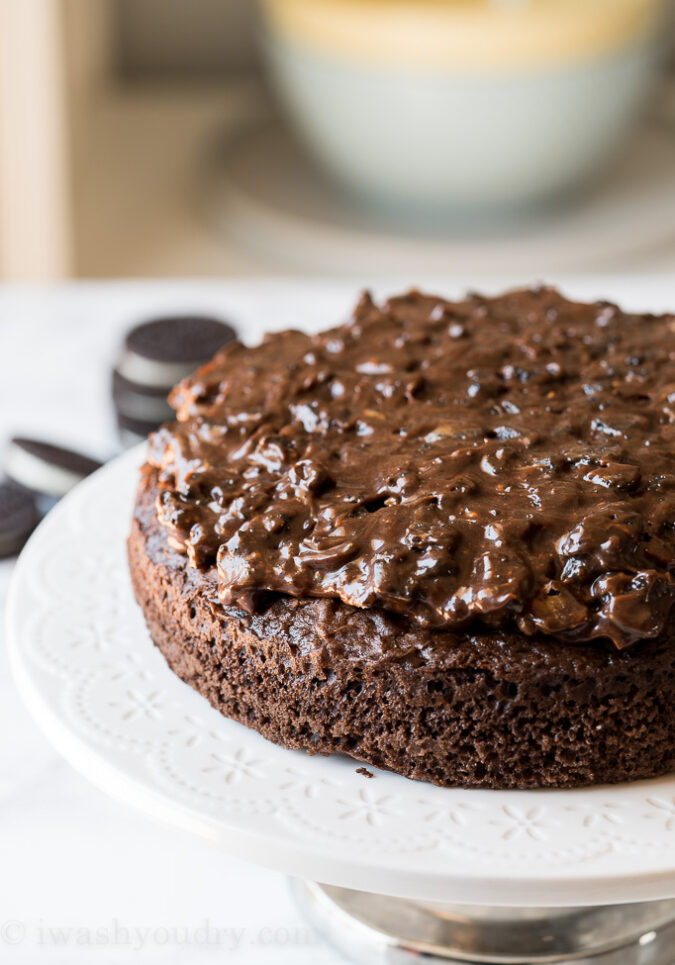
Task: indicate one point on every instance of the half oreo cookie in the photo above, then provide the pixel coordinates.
(18, 517)
(45, 468)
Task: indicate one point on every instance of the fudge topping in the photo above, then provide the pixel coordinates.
(505, 462)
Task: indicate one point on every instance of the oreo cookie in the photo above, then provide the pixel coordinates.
(161, 352)
(133, 431)
(18, 517)
(45, 468)
(140, 402)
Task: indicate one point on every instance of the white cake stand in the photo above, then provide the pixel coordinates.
(408, 869)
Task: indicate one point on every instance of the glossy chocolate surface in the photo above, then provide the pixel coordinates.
(499, 462)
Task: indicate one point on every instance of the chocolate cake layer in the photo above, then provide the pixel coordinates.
(489, 710)
(498, 462)
(440, 538)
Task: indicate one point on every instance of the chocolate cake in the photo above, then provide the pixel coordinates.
(439, 538)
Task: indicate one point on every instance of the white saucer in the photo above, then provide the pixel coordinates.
(266, 197)
(104, 696)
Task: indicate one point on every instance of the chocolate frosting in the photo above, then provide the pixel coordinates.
(504, 462)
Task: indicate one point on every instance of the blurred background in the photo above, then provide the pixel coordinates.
(225, 137)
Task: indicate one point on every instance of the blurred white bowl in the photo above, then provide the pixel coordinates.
(470, 104)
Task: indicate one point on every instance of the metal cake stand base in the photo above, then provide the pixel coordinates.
(374, 929)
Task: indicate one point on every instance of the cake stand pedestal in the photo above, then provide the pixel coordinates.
(371, 929)
(409, 871)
